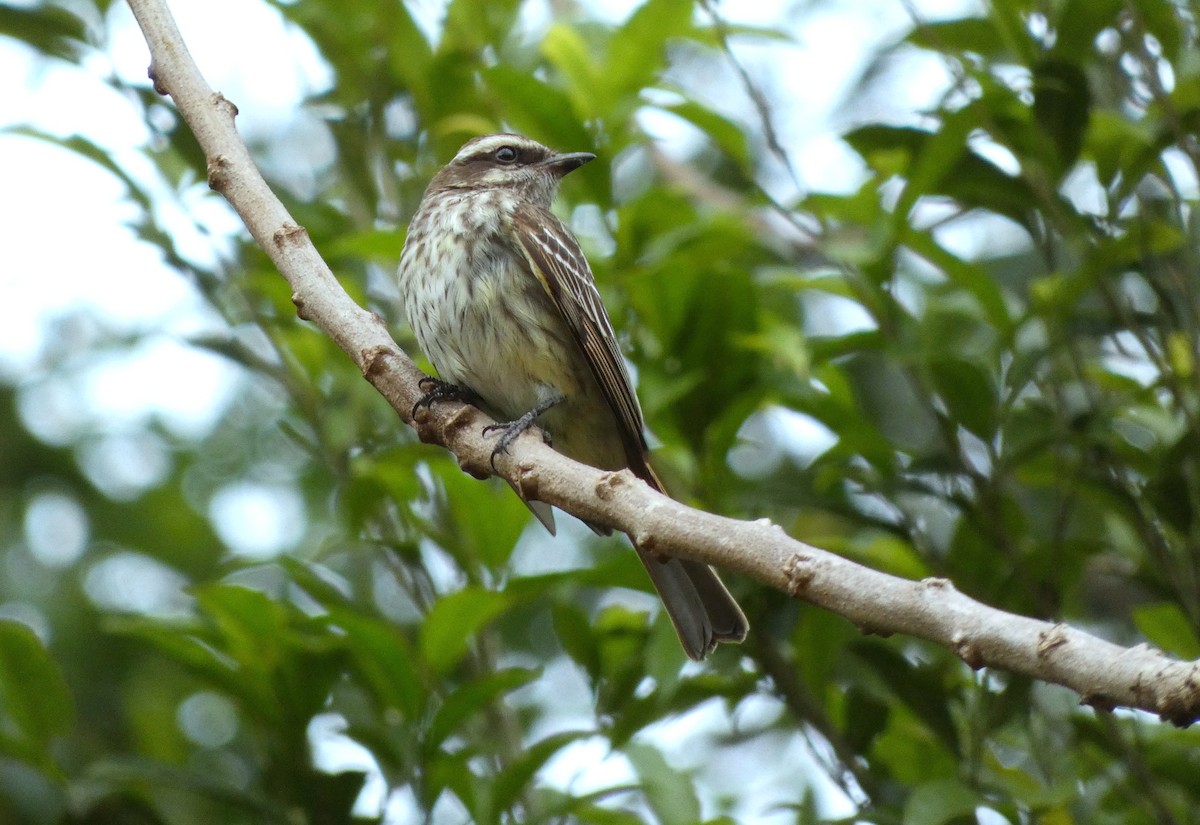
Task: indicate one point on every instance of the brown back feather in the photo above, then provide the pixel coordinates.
(559, 264)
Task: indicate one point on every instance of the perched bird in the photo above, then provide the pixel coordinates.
(504, 304)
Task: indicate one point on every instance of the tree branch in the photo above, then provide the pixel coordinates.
(1105, 675)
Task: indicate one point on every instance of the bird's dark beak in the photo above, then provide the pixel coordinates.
(568, 162)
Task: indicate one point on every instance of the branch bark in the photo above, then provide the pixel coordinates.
(1105, 675)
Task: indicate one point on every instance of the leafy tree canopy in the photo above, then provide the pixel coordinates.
(977, 361)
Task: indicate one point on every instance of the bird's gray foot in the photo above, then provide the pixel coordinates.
(511, 430)
(438, 390)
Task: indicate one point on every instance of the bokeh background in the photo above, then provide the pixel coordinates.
(916, 280)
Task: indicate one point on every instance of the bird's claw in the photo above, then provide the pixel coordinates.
(510, 431)
(438, 390)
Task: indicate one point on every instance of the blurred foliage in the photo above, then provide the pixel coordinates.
(994, 331)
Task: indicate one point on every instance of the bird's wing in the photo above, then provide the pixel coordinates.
(559, 264)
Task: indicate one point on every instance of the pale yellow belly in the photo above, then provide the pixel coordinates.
(503, 338)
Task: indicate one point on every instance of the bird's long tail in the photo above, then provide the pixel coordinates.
(697, 601)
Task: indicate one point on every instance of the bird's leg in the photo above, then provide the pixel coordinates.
(438, 390)
(513, 429)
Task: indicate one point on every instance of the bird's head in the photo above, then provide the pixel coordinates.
(508, 161)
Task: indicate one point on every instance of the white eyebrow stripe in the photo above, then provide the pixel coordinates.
(490, 143)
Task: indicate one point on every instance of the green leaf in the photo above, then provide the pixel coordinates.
(485, 520)
(670, 793)
(1167, 25)
(866, 717)
(636, 52)
(980, 184)
(117, 772)
(1078, 23)
(1143, 239)
(33, 693)
(50, 29)
(1123, 150)
(879, 144)
(887, 553)
(1061, 109)
(192, 646)
(969, 276)
(1010, 21)
(516, 776)
(940, 163)
(472, 698)
(574, 630)
(974, 35)
(969, 394)
(940, 801)
(723, 132)
(250, 622)
(538, 108)
(452, 771)
(918, 687)
(472, 24)
(365, 44)
(386, 661)
(565, 49)
(453, 620)
(1166, 626)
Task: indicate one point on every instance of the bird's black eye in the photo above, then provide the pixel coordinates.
(505, 154)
